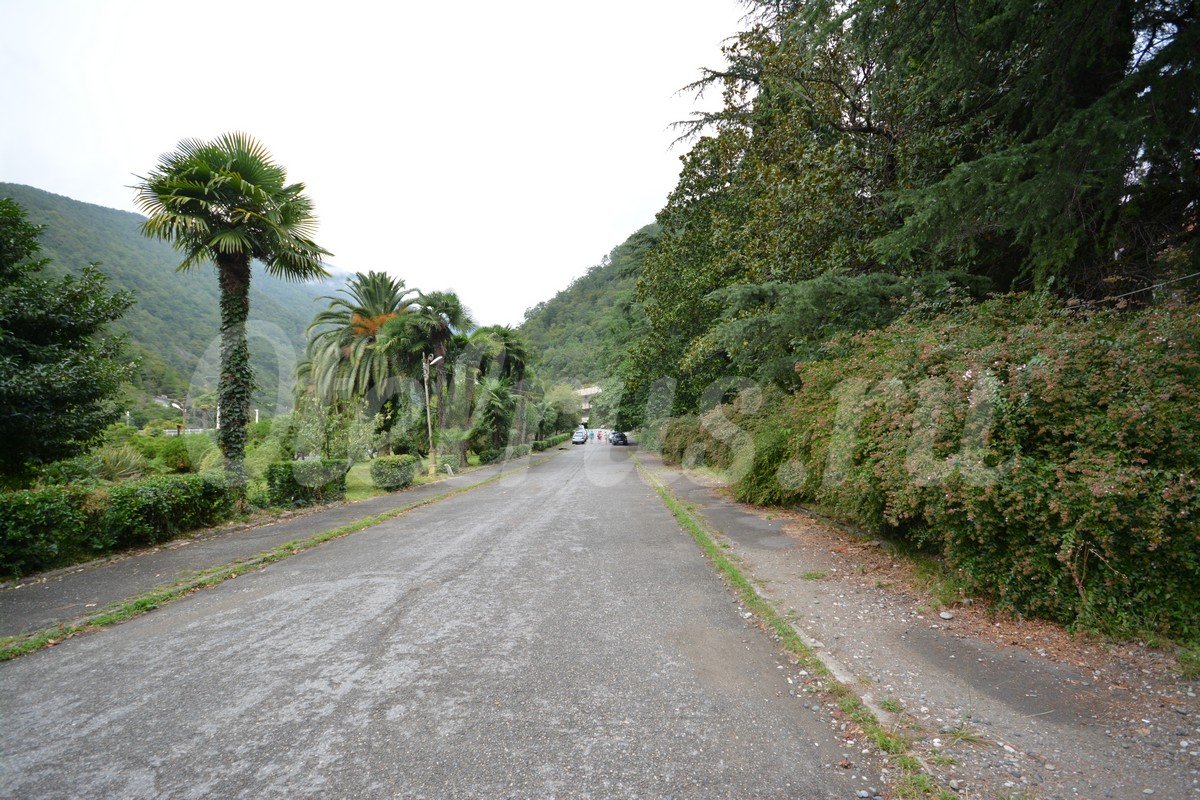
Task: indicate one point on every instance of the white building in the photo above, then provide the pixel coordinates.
(586, 394)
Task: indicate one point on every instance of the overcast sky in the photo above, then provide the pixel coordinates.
(498, 149)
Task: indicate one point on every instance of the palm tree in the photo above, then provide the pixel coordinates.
(344, 358)
(439, 315)
(496, 407)
(477, 350)
(228, 202)
(511, 356)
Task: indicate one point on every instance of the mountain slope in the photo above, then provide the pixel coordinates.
(174, 325)
(580, 334)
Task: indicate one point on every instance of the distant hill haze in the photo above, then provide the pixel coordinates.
(175, 324)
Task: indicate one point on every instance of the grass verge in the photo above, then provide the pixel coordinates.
(13, 646)
(913, 781)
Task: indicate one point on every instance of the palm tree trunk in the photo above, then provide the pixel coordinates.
(450, 384)
(237, 380)
(469, 377)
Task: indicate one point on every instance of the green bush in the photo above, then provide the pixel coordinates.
(43, 529)
(173, 455)
(490, 456)
(301, 483)
(1049, 456)
(56, 526)
(546, 444)
(78, 471)
(156, 509)
(393, 472)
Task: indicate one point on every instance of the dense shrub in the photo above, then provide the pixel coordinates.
(44, 529)
(299, 483)
(490, 456)
(173, 455)
(393, 472)
(156, 509)
(59, 525)
(1050, 456)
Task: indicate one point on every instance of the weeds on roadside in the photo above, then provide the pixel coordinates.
(1189, 662)
(963, 733)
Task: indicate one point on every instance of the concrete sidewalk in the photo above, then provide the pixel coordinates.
(66, 595)
(999, 707)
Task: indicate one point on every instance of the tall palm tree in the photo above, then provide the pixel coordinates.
(511, 356)
(440, 315)
(227, 202)
(344, 358)
(477, 350)
(496, 407)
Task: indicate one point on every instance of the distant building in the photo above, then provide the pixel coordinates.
(586, 394)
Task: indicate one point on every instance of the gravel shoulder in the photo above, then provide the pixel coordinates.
(1001, 708)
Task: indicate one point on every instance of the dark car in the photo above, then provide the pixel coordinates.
(616, 437)
(579, 437)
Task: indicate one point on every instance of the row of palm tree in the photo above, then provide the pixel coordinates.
(227, 202)
(376, 329)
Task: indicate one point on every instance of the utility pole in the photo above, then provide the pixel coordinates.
(425, 365)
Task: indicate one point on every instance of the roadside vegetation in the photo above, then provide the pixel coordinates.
(933, 271)
(397, 385)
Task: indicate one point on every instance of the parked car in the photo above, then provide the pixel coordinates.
(616, 437)
(579, 437)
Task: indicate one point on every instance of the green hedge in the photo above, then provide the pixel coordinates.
(490, 456)
(59, 525)
(301, 483)
(156, 509)
(393, 472)
(44, 529)
(1050, 456)
(545, 444)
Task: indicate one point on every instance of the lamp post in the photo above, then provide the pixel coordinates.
(426, 363)
(183, 412)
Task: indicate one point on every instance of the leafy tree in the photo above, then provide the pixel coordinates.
(228, 202)
(867, 150)
(1065, 136)
(59, 377)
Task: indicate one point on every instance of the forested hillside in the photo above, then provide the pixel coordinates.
(175, 318)
(580, 334)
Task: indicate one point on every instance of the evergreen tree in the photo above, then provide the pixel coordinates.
(59, 376)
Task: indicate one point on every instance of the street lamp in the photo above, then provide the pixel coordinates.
(182, 411)
(425, 365)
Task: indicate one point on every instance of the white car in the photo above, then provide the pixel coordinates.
(579, 437)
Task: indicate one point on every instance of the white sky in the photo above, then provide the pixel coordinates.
(497, 149)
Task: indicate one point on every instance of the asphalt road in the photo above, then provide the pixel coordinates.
(553, 634)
